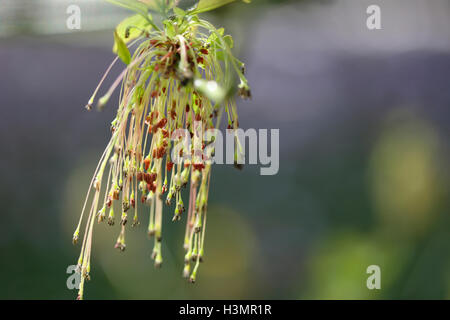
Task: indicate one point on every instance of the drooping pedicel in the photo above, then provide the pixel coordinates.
(177, 83)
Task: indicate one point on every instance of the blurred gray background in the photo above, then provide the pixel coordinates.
(364, 119)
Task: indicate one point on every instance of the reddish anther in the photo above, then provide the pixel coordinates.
(151, 187)
(146, 163)
(149, 177)
(162, 122)
(198, 166)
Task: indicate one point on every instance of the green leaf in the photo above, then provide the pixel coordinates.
(210, 89)
(122, 49)
(187, 5)
(221, 31)
(220, 55)
(133, 5)
(207, 5)
(179, 12)
(169, 29)
(213, 39)
(216, 43)
(155, 5)
(229, 41)
(134, 24)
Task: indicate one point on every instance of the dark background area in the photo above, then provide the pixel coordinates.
(364, 119)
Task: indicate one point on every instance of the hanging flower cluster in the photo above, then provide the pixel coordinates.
(178, 82)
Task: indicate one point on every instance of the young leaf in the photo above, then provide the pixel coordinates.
(169, 29)
(156, 5)
(229, 41)
(207, 5)
(187, 5)
(134, 5)
(130, 28)
(213, 39)
(215, 42)
(179, 12)
(122, 49)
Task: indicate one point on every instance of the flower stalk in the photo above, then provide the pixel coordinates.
(178, 78)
